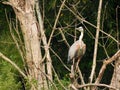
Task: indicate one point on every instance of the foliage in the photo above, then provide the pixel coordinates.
(9, 77)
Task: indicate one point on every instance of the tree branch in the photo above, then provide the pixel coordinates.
(117, 28)
(44, 40)
(59, 59)
(101, 85)
(63, 36)
(83, 20)
(105, 63)
(56, 20)
(96, 42)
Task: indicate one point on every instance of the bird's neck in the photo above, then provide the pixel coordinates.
(81, 37)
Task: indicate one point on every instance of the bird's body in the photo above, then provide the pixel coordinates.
(78, 48)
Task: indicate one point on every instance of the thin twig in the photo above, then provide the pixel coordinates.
(63, 36)
(83, 20)
(102, 25)
(4, 42)
(81, 76)
(13, 37)
(47, 77)
(88, 31)
(105, 51)
(117, 26)
(58, 79)
(56, 20)
(59, 59)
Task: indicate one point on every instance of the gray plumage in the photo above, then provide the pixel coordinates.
(78, 48)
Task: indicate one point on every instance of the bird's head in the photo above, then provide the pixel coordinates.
(80, 29)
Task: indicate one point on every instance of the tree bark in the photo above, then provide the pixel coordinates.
(24, 10)
(115, 82)
(96, 42)
(44, 40)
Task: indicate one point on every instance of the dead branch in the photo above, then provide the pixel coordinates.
(63, 36)
(101, 85)
(105, 63)
(118, 46)
(59, 59)
(55, 23)
(83, 20)
(73, 75)
(81, 76)
(15, 40)
(115, 81)
(96, 41)
(13, 5)
(44, 40)
(73, 87)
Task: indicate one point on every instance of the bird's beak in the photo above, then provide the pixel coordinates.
(78, 29)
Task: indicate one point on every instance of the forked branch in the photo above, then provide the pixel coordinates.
(105, 63)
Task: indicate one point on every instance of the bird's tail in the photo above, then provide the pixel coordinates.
(69, 61)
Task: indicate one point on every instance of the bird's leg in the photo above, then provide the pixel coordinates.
(72, 74)
(77, 65)
(74, 70)
(72, 67)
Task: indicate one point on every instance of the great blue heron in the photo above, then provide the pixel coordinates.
(77, 50)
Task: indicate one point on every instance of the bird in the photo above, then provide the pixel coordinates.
(77, 49)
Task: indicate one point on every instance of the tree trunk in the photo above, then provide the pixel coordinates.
(115, 82)
(24, 10)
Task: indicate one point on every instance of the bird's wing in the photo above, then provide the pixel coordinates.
(84, 48)
(80, 51)
(72, 51)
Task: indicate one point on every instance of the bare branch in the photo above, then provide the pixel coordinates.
(118, 46)
(63, 3)
(63, 36)
(73, 87)
(14, 6)
(101, 85)
(105, 63)
(83, 20)
(81, 76)
(44, 40)
(96, 41)
(59, 59)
